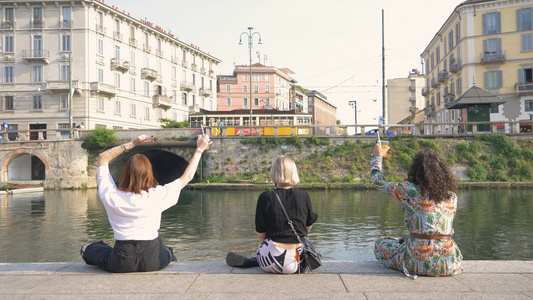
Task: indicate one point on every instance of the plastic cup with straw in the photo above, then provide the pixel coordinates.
(203, 134)
(383, 144)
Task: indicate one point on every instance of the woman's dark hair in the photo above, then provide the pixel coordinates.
(431, 173)
(137, 175)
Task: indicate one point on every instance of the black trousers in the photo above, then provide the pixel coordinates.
(129, 256)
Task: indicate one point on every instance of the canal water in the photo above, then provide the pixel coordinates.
(205, 225)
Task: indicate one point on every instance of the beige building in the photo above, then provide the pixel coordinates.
(125, 72)
(324, 113)
(488, 43)
(404, 97)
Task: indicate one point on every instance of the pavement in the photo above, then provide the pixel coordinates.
(216, 280)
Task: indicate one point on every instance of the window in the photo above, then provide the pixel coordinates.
(493, 79)
(491, 23)
(117, 80)
(525, 79)
(117, 52)
(174, 97)
(145, 46)
(457, 33)
(65, 72)
(37, 73)
(65, 43)
(146, 88)
(174, 73)
(133, 109)
(256, 77)
(524, 19)
(267, 89)
(8, 74)
(118, 110)
(100, 47)
(9, 103)
(132, 84)
(184, 98)
(492, 49)
(37, 14)
(63, 101)
(494, 109)
(228, 88)
(100, 75)
(438, 99)
(267, 101)
(437, 55)
(256, 101)
(147, 112)
(132, 58)
(146, 61)
(244, 77)
(37, 102)
(244, 102)
(37, 46)
(245, 88)
(193, 79)
(527, 42)
(432, 60)
(528, 105)
(67, 16)
(228, 101)
(458, 86)
(256, 89)
(9, 16)
(193, 99)
(9, 45)
(117, 27)
(101, 104)
(184, 56)
(450, 40)
(267, 77)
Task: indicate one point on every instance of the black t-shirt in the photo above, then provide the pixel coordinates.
(269, 217)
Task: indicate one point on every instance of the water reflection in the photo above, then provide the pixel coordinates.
(205, 225)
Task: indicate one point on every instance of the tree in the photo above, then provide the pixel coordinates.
(167, 123)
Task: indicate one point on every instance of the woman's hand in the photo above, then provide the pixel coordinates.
(203, 143)
(143, 139)
(378, 151)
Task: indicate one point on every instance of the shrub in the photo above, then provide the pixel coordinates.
(498, 162)
(316, 141)
(294, 140)
(405, 160)
(101, 137)
(477, 173)
(498, 175)
(168, 123)
(525, 172)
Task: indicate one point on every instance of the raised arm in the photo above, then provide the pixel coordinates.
(188, 175)
(105, 157)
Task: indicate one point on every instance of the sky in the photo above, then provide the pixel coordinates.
(332, 46)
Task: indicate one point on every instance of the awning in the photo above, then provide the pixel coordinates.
(475, 96)
(298, 104)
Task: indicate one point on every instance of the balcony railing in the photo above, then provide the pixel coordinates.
(36, 56)
(524, 88)
(443, 76)
(159, 52)
(206, 92)
(61, 85)
(412, 98)
(174, 59)
(434, 83)
(147, 48)
(194, 66)
(202, 70)
(184, 63)
(187, 86)
(133, 42)
(425, 91)
(455, 66)
(232, 79)
(103, 89)
(120, 65)
(8, 25)
(149, 74)
(117, 36)
(494, 56)
(162, 101)
(413, 109)
(448, 98)
(412, 88)
(101, 29)
(65, 24)
(37, 24)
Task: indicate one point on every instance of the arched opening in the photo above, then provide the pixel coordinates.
(167, 166)
(26, 167)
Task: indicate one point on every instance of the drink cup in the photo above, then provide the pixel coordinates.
(384, 145)
(200, 136)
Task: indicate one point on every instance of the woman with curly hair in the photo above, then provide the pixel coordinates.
(429, 201)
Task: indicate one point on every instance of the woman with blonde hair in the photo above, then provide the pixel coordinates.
(429, 201)
(280, 251)
(134, 210)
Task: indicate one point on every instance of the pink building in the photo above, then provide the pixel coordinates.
(270, 88)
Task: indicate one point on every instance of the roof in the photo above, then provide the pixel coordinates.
(475, 96)
(247, 112)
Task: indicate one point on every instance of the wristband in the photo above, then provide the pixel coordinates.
(199, 151)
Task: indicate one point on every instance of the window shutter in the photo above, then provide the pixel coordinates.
(484, 23)
(499, 45)
(485, 46)
(498, 22)
(518, 19)
(486, 80)
(500, 79)
(521, 77)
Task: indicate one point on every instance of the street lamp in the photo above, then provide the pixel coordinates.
(250, 35)
(353, 104)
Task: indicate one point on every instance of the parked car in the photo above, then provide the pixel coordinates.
(375, 132)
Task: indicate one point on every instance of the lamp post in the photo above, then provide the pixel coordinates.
(353, 104)
(250, 36)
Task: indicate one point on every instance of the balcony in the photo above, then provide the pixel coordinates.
(103, 89)
(159, 52)
(202, 70)
(413, 109)
(40, 56)
(227, 79)
(147, 48)
(431, 110)
(194, 67)
(101, 29)
(524, 88)
(206, 92)
(492, 57)
(61, 85)
(162, 101)
(455, 66)
(184, 63)
(434, 83)
(443, 76)
(187, 86)
(65, 24)
(133, 42)
(412, 88)
(174, 59)
(9, 25)
(412, 98)
(149, 74)
(448, 98)
(117, 36)
(120, 65)
(37, 24)
(425, 91)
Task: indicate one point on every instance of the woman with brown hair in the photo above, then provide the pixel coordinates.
(134, 211)
(429, 201)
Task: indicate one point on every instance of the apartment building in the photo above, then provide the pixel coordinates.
(324, 113)
(404, 97)
(487, 43)
(117, 71)
(268, 86)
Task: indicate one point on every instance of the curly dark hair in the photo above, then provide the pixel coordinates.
(431, 173)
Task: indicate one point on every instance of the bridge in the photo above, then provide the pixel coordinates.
(53, 162)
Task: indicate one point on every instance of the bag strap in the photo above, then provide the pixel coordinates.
(289, 219)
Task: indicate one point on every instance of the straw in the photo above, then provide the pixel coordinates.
(379, 140)
(203, 130)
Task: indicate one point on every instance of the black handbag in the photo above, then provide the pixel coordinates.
(311, 257)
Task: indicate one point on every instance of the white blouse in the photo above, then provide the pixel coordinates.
(135, 216)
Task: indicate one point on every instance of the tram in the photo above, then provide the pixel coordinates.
(237, 122)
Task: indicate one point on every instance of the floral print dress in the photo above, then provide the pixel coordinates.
(415, 256)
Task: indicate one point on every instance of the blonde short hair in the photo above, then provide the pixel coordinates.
(284, 171)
